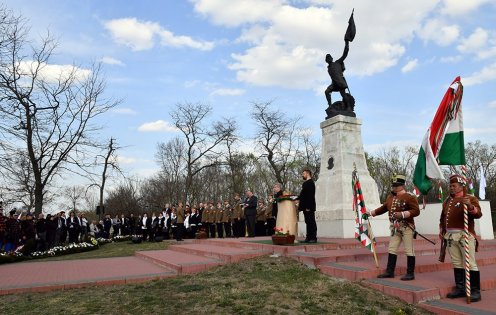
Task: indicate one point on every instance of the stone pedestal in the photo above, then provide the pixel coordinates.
(341, 148)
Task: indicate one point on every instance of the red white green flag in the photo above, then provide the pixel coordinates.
(443, 144)
(363, 232)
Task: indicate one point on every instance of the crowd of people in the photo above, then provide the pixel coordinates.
(239, 217)
(179, 221)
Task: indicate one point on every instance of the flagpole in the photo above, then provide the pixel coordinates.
(373, 244)
(466, 247)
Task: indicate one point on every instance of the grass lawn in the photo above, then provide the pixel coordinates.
(117, 249)
(263, 285)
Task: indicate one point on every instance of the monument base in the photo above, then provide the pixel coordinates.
(342, 153)
(345, 228)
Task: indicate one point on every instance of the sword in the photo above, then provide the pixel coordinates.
(417, 233)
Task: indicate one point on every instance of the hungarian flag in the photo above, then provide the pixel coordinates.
(443, 144)
(362, 231)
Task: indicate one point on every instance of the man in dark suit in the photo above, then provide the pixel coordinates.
(250, 207)
(308, 206)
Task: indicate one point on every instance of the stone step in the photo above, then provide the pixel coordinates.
(460, 307)
(224, 253)
(428, 286)
(358, 270)
(363, 254)
(182, 263)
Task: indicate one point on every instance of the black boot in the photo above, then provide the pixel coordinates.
(391, 265)
(459, 290)
(475, 295)
(410, 269)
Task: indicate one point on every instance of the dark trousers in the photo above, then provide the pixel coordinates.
(220, 230)
(73, 235)
(180, 231)
(212, 230)
(227, 229)
(271, 224)
(250, 225)
(311, 225)
(260, 228)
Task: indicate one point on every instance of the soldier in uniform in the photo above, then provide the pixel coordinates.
(260, 225)
(180, 222)
(451, 228)
(401, 207)
(212, 221)
(238, 217)
(205, 219)
(226, 218)
(218, 220)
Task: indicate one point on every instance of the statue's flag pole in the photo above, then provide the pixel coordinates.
(443, 144)
(363, 230)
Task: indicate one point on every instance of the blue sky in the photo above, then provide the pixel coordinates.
(229, 53)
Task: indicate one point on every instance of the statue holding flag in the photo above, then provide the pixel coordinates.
(335, 69)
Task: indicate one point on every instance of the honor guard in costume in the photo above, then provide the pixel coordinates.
(238, 217)
(451, 229)
(401, 208)
(226, 218)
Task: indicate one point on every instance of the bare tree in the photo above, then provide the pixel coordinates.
(171, 157)
(75, 194)
(46, 111)
(203, 139)
(277, 137)
(389, 161)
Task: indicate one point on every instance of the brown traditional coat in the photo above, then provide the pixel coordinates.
(452, 214)
(403, 202)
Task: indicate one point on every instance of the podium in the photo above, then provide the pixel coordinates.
(286, 217)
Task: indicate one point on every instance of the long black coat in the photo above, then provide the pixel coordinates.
(307, 196)
(251, 205)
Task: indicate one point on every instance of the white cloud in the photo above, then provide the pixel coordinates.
(126, 160)
(124, 111)
(235, 13)
(436, 31)
(457, 7)
(410, 65)
(487, 73)
(111, 61)
(474, 42)
(156, 126)
(53, 73)
(140, 35)
(228, 92)
(492, 104)
(451, 59)
(191, 83)
(287, 44)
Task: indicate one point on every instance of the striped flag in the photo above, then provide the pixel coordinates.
(443, 144)
(362, 230)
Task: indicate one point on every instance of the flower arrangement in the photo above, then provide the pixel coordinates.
(280, 232)
(286, 196)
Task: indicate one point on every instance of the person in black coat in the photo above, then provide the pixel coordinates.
(250, 208)
(73, 227)
(308, 206)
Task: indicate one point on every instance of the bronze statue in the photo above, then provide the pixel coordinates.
(335, 70)
(338, 82)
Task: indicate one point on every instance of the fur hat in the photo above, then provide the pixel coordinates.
(457, 179)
